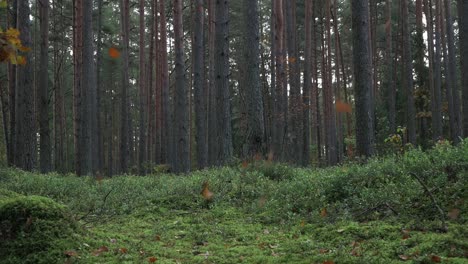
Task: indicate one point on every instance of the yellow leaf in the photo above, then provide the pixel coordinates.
(24, 49)
(21, 60)
(12, 32)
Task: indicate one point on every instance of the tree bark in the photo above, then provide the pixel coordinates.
(408, 75)
(44, 128)
(362, 60)
(25, 149)
(255, 120)
(437, 99)
(142, 82)
(463, 27)
(306, 96)
(124, 103)
(181, 110)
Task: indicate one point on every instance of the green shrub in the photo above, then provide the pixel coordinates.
(34, 229)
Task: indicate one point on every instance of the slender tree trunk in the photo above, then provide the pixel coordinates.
(389, 82)
(77, 68)
(339, 116)
(198, 54)
(12, 90)
(408, 75)
(142, 81)
(166, 122)
(452, 80)
(213, 141)
(306, 96)
(437, 99)
(362, 60)
(88, 110)
(295, 106)
(181, 110)
(463, 29)
(25, 149)
(44, 128)
(124, 103)
(329, 107)
(98, 150)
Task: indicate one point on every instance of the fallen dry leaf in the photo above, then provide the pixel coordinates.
(436, 259)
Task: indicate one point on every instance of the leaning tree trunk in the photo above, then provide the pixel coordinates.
(362, 60)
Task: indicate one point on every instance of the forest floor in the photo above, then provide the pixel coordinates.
(384, 211)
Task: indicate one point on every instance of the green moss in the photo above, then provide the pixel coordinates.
(34, 229)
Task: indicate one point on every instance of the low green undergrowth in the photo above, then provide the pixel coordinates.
(269, 213)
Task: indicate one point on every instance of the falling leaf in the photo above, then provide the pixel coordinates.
(114, 53)
(342, 107)
(152, 259)
(206, 193)
(100, 250)
(436, 259)
(292, 59)
(70, 253)
(323, 212)
(454, 214)
(324, 251)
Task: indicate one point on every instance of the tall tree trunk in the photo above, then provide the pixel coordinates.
(362, 60)
(88, 120)
(295, 106)
(223, 96)
(98, 150)
(330, 116)
(408, 74)
(124, 103)
(451, 75)
(463, 28)
(339, 116)
(198, 54)
(25, 150)
(13, 19)
(213, 141)
(181, 110)
(389, 80)
(142, 81)
(280, 102)
(44, 128)
(77, 72)
(306, 96)
(255, 120)
(166, 122)
(437, 99)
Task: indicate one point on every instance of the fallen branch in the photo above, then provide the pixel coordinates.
(426, 189)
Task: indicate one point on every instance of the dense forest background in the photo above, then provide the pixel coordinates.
(112, 87)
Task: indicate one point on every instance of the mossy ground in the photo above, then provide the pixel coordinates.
(263, 213)
(226, 235)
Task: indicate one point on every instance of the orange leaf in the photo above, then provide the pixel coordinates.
(70, 253)
(114, 53)
(436, 259)
(342, 107)
(100, 250)
(454, 214)
(123, 250)
(152, 259)
(292, 59)
(206, 193)
(323, 212)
